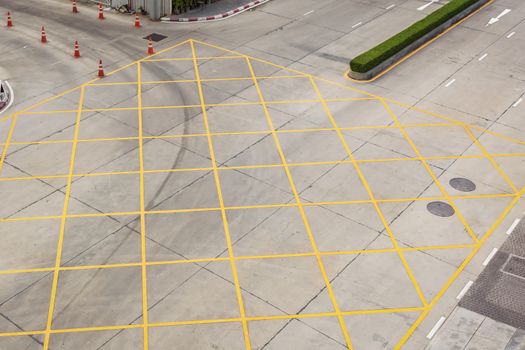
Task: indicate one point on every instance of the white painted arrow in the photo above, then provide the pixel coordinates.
(421, 8)
(496, 19)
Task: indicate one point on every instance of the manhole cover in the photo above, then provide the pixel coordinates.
(515, 266)
(462, 184)
(440, 209)
(155, 37)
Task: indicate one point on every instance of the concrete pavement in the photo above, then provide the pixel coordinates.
(183, 239)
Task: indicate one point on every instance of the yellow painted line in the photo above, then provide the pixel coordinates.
(8, 140)
(262, 206)
(416, 50)
(142, 215)
(432, 175)
(491, 160)
(257, 132)
(242, 167)
(301, 210)
(221, 203)
(233, 104)
(58, 260)
(191, 58)
(208, 321)
(460, 269)
(241, 257)
(207, 80)
(372, 197)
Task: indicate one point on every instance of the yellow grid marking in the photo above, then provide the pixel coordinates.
(372, 197)
(432, 175)
(232, 259)
(221, 203)
(491, 159)
(460, 269)
(301, 210)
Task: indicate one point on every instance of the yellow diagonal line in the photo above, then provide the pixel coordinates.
(8, 140)
(221, 203)
(451, 280)
(63, 225)
(491, 159)
(301, 210)
(431, 173)
(371, 196)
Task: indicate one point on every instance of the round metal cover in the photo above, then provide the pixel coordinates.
(462, 184)
(440, 209)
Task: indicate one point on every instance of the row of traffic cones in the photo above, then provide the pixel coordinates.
(136, 24)
(76, 53)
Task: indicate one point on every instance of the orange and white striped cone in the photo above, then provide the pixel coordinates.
(9, 20)
(100, 69)
(150, 47)
(100, 12)
(75, 9)
(137, 21)
(76, 54)
(43, 37)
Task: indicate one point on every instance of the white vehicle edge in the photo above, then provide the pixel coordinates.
(10, 95)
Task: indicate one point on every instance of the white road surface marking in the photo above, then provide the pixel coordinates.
(436, 327)
(391, 7)
(421, 8)
(496, 19)
(464, 290)
(516, 104)
(513, 226)
(510, 35)
(483, 57)
(489, 258)
(357, 24)
(450, 82)
(308, 13)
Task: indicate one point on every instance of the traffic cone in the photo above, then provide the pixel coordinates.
(9, 20)
(137, 21)
(100, 69)
(75, 10)
(77, 50)
(150, 47)
(100, 12)
(43, 37)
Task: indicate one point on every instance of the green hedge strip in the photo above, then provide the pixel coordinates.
(375, 56)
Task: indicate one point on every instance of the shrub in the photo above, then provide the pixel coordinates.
(375, 56)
